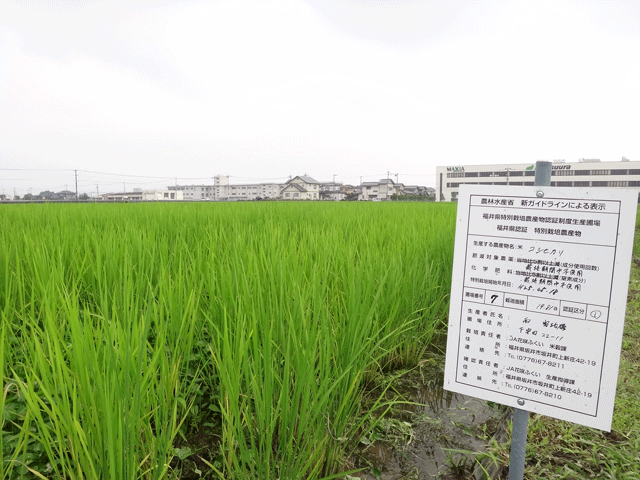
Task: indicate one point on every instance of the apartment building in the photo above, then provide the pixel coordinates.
(194, 192)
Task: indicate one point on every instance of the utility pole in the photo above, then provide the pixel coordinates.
(76, 173)
(387, 185)
(97, 191)
(397, 188)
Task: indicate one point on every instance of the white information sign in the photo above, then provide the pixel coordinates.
(538, 298)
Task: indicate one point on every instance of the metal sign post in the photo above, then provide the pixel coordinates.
(538, 299)
(521, 417)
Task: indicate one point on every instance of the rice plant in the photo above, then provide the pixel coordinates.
(126, 328)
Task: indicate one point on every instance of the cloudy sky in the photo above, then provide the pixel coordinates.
(141, 93)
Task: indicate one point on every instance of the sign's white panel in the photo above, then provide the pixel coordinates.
(538, 298)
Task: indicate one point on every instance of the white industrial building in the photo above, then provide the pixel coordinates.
(161, 195)
(139, 195)
(584, 173)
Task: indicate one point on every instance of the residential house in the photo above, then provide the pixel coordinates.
(301, 188)
(332, 191)
(382, 190)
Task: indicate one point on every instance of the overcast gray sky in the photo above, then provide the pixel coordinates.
(147, 91)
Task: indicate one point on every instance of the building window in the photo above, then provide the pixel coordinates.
(634, 183)
(580, 184)
(582, 172)
(516, 174)
(634, 172)
(599, 172)
(599, 184)
(471, 174)
(485, 174)
(618, 172)
(618, 183)
(530, 173)
(564, 184)
(529, 184)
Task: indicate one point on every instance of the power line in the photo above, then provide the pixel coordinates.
(38, 169)
(255, 178)
(418, 174)
(125, 175)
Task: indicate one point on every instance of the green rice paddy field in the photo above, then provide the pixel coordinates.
(149, 341)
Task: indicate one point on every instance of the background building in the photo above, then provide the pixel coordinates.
(161, 195)
(585, 173)
(301, 188)
(333, 191)
(139, 195)
(380, 191)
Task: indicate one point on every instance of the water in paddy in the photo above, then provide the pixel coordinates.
(421, 437)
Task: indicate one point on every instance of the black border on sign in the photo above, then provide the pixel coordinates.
(461, 300)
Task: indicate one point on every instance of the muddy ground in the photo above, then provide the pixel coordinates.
(433, 433)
